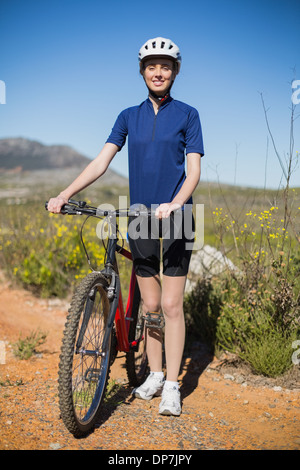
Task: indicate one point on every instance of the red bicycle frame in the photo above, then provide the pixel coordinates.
(122, 320)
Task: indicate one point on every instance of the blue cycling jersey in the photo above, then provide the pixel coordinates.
(157, 144)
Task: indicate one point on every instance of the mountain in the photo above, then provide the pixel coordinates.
(19, 155)
(28, 155)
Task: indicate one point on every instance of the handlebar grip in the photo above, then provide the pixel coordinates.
(66, 208)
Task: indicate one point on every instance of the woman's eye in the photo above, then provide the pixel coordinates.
(165, 68)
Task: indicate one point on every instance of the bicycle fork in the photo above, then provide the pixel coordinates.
(112, 293)
(86, 317)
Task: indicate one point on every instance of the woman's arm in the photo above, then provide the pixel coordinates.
(91, 173)
(187, 189)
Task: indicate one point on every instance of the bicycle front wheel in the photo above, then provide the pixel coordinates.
(85, 357)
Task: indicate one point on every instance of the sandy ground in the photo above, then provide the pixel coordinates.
(224, 406)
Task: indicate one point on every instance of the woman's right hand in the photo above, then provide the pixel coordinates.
(55, 204)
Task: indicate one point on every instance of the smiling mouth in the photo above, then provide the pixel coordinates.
(158, 83)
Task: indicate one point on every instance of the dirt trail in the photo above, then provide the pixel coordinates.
(222, 408)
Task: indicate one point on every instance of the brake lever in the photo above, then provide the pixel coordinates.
(80, 204)
(70, 210)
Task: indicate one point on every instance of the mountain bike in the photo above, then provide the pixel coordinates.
(97, 327)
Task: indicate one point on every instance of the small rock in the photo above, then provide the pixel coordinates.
(224, 422)
(228, 377)
(54, 302)
(245, 402)
(55, 446)
(239, 379)
(277, 389)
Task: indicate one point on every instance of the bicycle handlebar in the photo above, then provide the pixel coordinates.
(75, 209)
(81, 207)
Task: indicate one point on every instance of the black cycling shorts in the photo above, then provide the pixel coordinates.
(170, 240)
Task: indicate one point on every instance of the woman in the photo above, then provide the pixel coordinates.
(161, 131)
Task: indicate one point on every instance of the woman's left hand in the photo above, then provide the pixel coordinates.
(164, 210)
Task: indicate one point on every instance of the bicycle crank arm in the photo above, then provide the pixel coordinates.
(134, 345)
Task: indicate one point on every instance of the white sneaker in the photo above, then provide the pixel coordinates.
(152, 386)
(170, 402)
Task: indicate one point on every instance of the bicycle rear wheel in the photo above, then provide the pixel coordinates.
(136, 358)
(85, 360)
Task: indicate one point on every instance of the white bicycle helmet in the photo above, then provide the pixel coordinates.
(160, 47)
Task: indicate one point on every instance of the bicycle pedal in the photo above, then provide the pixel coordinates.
(154, 320)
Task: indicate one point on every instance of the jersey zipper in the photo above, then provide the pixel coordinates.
(154, 126)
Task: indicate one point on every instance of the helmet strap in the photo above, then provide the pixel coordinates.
(159, 98)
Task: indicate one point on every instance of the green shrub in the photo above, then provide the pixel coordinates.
(24, 348)
(202, 308)
(43, 251)
(254, 314)
(269, 352)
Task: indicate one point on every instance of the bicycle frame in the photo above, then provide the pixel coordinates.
(117, 314)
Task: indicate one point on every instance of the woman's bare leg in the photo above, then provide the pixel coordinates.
(172, 305)
(170, 297)
(150, 289)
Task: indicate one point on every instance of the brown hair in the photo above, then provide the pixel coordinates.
(142, 63)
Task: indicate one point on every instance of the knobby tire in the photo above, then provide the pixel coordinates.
(84, 367)
(136, 360)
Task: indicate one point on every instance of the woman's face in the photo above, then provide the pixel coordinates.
(159, 75)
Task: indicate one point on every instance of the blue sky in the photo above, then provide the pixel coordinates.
(70, 67)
